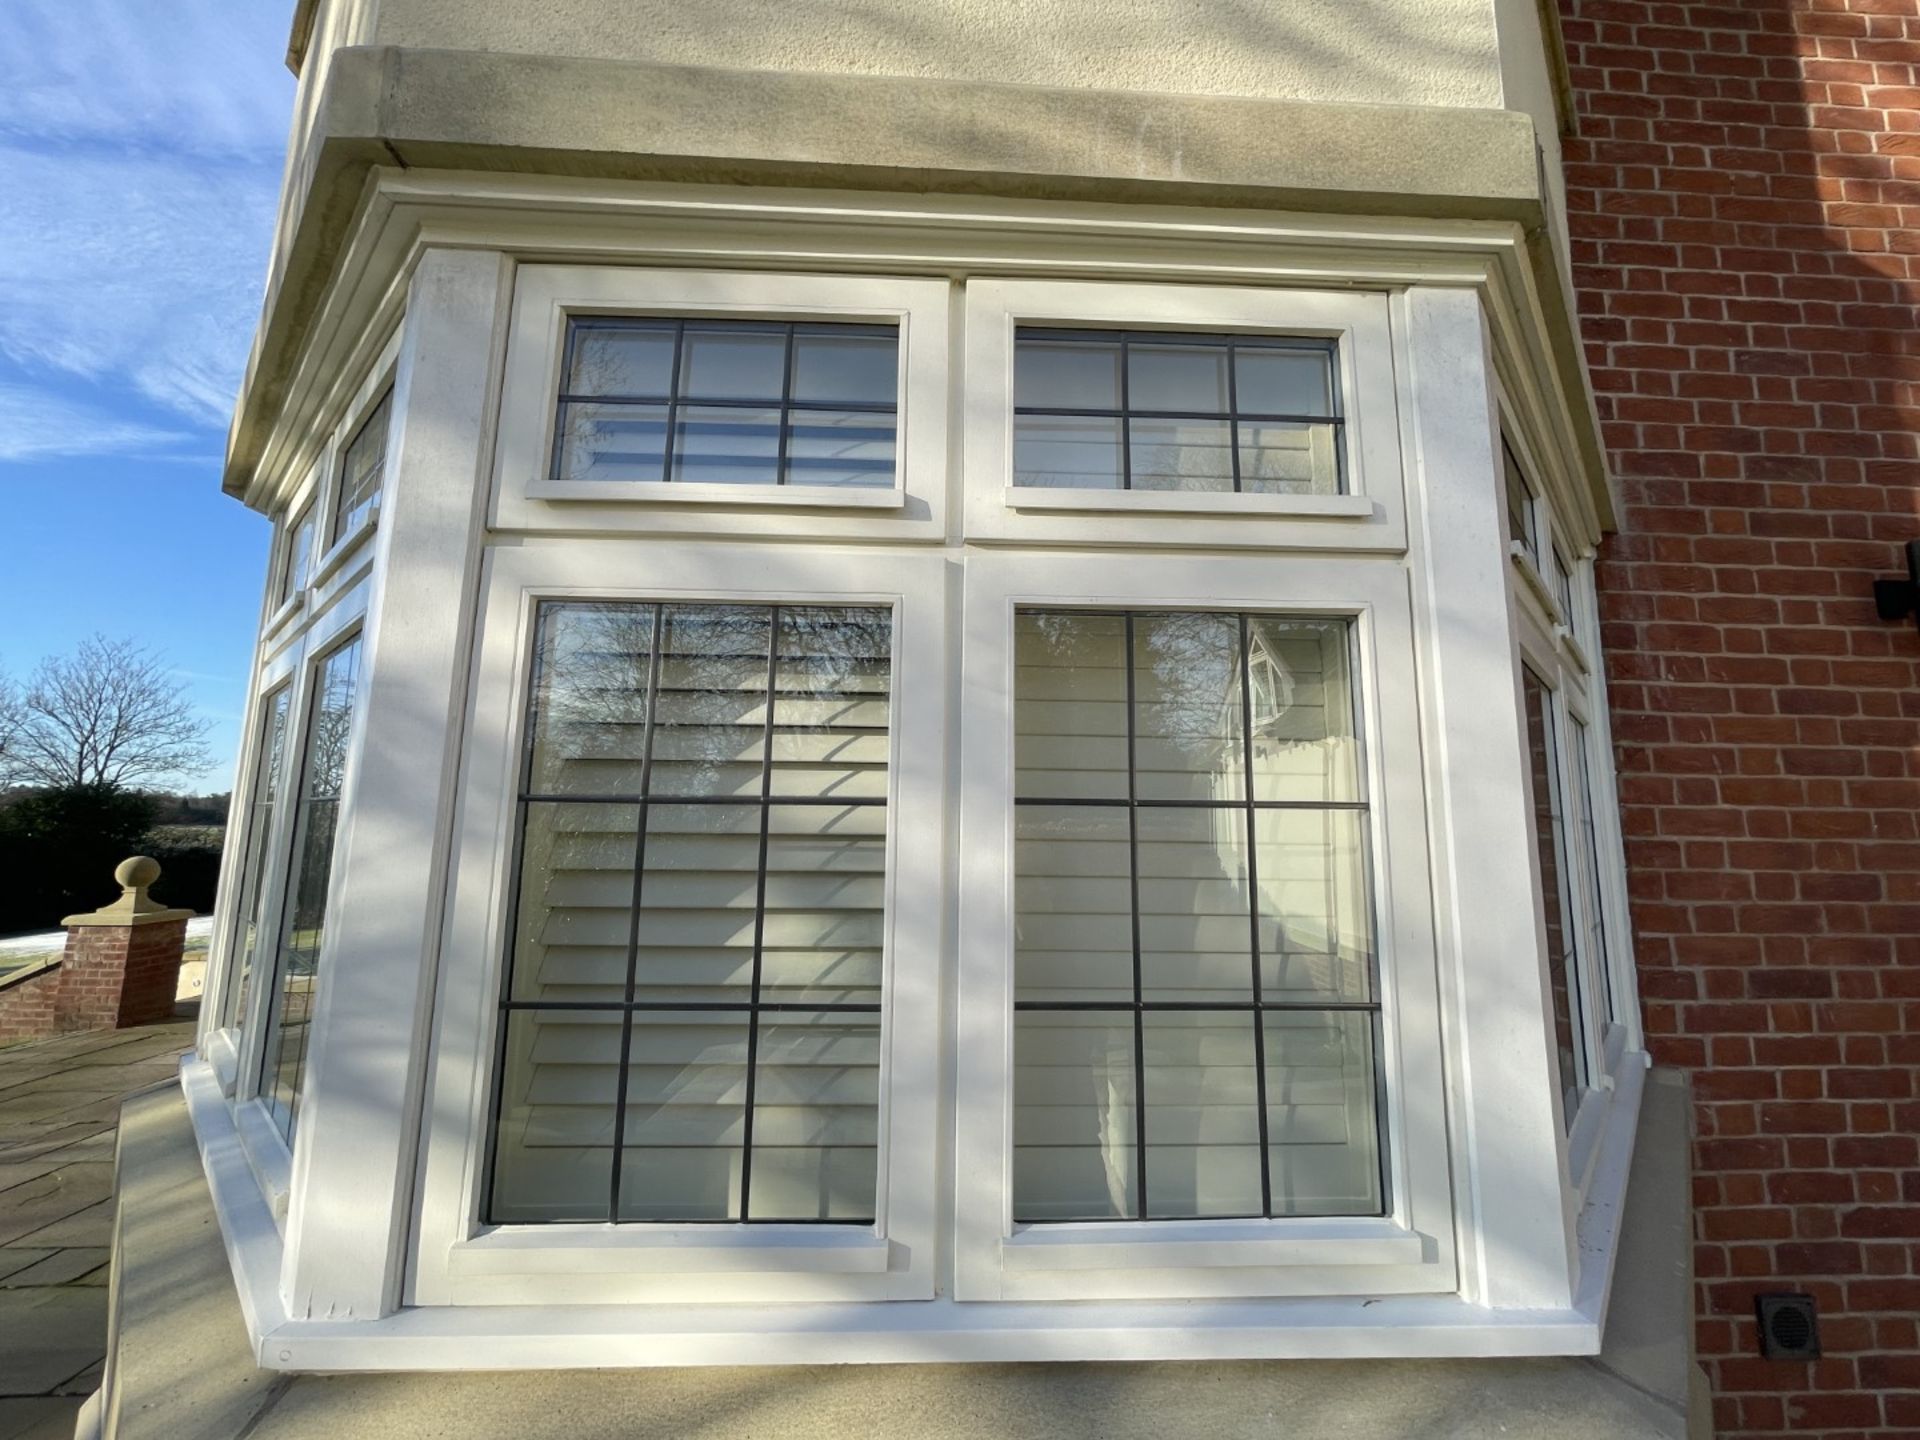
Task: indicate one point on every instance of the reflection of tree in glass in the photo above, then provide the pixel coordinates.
(1190, 670)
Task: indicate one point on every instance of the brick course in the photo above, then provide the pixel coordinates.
(1745, 208)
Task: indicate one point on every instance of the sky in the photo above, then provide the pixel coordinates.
(140, 154)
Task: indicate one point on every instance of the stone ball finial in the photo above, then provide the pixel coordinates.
(137, 872)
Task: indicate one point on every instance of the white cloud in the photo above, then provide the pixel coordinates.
(200, 76)
(141, 270)
(37, 425)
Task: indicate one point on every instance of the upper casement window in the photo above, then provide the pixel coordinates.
(296, 558)
(727, 402)
(1152, 410)
(361, 471)
(1181, 414)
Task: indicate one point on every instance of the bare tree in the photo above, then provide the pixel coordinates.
(109, 714)
(12, 715)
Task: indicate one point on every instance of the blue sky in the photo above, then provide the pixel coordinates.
(140, 154)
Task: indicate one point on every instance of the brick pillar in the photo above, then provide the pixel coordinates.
(122, 962)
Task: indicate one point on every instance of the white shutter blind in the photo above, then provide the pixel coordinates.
(691, 1027)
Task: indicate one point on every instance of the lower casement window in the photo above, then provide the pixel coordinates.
(695, 927)
(1199, 1040)
(690, 1025)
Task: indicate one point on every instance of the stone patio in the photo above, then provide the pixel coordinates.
(59, 1107)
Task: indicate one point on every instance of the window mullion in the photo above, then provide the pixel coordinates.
(1133, 884)
(633, 919)
(759, 912)
(1253, 907)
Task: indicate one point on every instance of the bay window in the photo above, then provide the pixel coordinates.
(978, 815)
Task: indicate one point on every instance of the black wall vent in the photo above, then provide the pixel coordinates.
(1789, 1327)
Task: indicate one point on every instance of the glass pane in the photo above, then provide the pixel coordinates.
(1323, 1120)
(302, 931)
(360, 472)
(686, 1116)
(727, 445)
(1073, 908)
(848, 367)
(1070, 706)
(840, 447)
(590, 699)
(1519, 505)
(1066, 452)
(1550, 839)
(1306, 745)
(1203, 1115)
(830, 705)
(699, 893)
(298, 567)
(627, 358)
(573, 914)
(1595, 948)
(603, 441)
(1316, 907)
(825, 927)
(1066, 374)
(1074, 1146)
(1283, 382)
(1192, 455)
(734, 363)
(1563, 584)
(816, 1112)
(1187, 707)
(266, 796)
(1280, 457)
(1195, 931)
(1177, 377)
(710, 725)
(553, 1137)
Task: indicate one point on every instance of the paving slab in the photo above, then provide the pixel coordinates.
(52, 1333)
(59, 1267)
(40, 1417)
(37, 1204)
(14, 1258)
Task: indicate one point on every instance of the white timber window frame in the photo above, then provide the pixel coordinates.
(1548, 643)
(1370, 513)
(528, 495)
(369, 1256)
(461, 1259)
(1408, 1249)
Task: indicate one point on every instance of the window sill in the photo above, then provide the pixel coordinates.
(627, 1250)
(338, 553)
(1188, 502)
(1536, 582)
(283, 613)
(266, 1154)
(660, 492)
(1576, 652)
(1211, 1244)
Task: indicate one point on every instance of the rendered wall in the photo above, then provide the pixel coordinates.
(1397, 52)
(1742, 200)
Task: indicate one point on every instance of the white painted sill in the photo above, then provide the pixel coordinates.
(266, 1154)
(681, 1249)
(666, 492)
(284, 612)
(338, 553)
(1191, 502)
(1576, 652)
(1210, 1244)
(1536, 582)
(223, 1053)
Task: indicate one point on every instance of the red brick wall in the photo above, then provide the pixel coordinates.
(1745, 196)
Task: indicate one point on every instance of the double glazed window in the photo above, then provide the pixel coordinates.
(1550, 836)
(296, 562)
(1194, 982)
(304, 909)
(728, 402)
(690, 1025)
(1147, 410)
(361, 470)
(253, 866)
